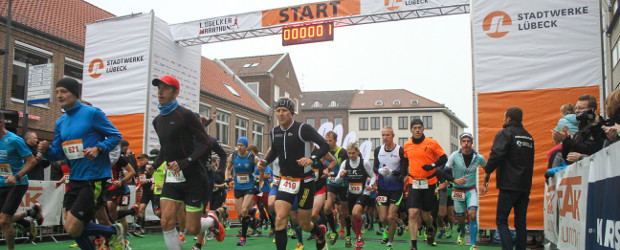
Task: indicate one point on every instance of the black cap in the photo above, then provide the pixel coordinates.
(70, 84)
(143, 156)
(124, 143)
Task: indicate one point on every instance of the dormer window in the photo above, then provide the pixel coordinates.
(379, 103)
(396, 102)
(414, 101)
(316, 104)
(333, 104)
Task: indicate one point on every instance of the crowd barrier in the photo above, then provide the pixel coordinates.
(582, 206)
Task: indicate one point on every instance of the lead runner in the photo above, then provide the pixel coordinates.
(291, 143)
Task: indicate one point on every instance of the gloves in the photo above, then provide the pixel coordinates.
(428, 167)
(385, 171)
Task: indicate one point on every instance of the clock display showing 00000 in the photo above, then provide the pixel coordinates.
(308, 33)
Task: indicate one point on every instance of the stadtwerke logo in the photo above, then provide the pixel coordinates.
(494, 24)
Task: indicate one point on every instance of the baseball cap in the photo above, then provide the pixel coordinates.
(143, 156)
(167, 80)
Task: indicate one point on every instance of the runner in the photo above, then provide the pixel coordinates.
(16, 160)
(243, 163)
(462, 169)
(336, 190)
(424, 156)
(183, 141)
(392, 166)
(118, 192)
(84, 136)
(262, 198)
(145, 183)
(291, 144)
(357, 172)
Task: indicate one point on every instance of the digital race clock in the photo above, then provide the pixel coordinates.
(308, 33)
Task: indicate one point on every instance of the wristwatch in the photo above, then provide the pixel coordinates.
(100, 148)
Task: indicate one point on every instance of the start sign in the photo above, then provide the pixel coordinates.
(308, 33)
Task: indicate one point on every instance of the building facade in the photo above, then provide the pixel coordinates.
(327, 106)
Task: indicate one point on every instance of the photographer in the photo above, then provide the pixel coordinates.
(590, 137)
(612, 126)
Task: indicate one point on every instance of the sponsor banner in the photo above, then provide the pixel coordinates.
(183, 63)
(603, 216)
(522, 45)
(48, 196)
(116, 60)
(387, 6)
(551, 211)
(572, 190)
(216, 26)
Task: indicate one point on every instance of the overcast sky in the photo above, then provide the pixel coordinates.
(430, 57)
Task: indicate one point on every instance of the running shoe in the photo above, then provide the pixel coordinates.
(321, 243)
(333, 237)
(431, 237)
(359, 244)
(138, 233)
(347, 242)
(218, 229)
(74, 245)
(385, 236)
(400, 230)
(34, 229)
(182, 238)
(117, 241)
(380, 231)
(136, 210)
(341, 232)
(384, 241)
(389, 247)
(448, 232)
(473, 247)
(299, 246)
(195, 247)
(441, 233)
(460, 240)
(274, 241)
(36, 213)
(291, 233)
(241, 242)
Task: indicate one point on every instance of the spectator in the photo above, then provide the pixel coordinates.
(612, 126)
(36, 174)
(568, 119)
(590, 137)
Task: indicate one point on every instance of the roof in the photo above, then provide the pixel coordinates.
(390, 99)
(254, 65)
(341, 100)
(62, 18)
(213, 80)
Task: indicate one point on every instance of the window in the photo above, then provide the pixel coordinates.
(337, 120)
(257, 135)
(333, 104)
(322, 120)
(297, 109)
(230, 88)
(286, 94)
(396, 102)
(222, 126)
(250, 65)
(402, 140)
(375, 123)
(387, 121)
(375, 143)
(415, 117)
(361, 140)
(310, 121)
(241, 127)
(205, 111)
(453, 147)
(276, 93)
(23, 53)
(428, 122)
(414, 101)
(363, 123)
(379, 103)
(454, 130)
(316, 104)
(254, 86)
(402, 122)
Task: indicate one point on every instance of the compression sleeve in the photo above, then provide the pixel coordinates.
(309, 134)
(201, 140)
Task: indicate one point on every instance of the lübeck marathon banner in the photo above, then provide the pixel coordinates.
(536, 55)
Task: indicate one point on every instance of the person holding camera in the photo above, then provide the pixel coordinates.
(590, 137)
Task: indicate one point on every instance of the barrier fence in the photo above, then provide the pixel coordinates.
(582, 203)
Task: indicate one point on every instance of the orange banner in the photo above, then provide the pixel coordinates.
(541, 112)
(311, 12)
(230, 202)
(132, 128)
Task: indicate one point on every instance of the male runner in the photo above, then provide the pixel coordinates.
(84, 137)
(462, 169)
(392, 166)
(424, 156)
(183, 141)
(336, 190)
(291, 145)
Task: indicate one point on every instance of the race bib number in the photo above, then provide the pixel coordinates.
(458, 195)
(159, 188)
(66, 178)
(125, 200)
(332, 179)
(289, 185)
(276, 181)
(73, 149)
(174, 177)
(5, 169)
(355, 188)
(243, 178)
(420, 184)
(316, 174)
(381, 199)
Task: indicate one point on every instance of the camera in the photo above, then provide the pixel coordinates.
(586, 116)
